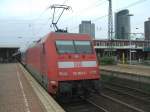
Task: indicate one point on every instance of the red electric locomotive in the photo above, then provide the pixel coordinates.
(64, 63)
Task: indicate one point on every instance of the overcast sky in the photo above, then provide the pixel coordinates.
(22, 21)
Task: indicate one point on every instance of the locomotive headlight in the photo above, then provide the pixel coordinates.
(63, 73)
(53, 82)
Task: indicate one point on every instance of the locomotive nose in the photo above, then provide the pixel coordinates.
(77, 64)
(75, 70)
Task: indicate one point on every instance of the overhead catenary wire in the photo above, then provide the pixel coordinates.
(41, 14)
(45, 24)
(49, 17)
(44, 11)
(90, 7)
(35, 33)
(104, 16)
(98, 18)
(101, 2)
(132, 4)
(65, 1)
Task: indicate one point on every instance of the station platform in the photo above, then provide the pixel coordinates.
(19, 92)
(131, 69)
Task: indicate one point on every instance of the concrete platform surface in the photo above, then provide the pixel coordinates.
(49, 103)
(16, 93)
(132, 69)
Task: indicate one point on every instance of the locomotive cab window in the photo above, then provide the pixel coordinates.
(74, 47)
(65, 46)
(83, 46)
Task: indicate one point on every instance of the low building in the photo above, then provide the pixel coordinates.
(7, 51)
(139, 49)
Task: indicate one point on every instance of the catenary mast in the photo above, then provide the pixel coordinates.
(110, 26)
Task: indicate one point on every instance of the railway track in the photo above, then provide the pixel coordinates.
(101, 103)
(128, 96)
(134, 92)
(136, 85)
(113, 99)
(85, 105)
(113, 104)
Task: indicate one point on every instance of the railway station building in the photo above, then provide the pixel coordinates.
(135, 49)
(6, 52)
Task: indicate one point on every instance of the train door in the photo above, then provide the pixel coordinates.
(43, 66)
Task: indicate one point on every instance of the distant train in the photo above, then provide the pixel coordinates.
(64, 63)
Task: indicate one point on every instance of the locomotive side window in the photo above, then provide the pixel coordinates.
(65, 46)
(83, 46)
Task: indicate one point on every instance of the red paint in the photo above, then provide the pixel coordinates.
(43, 57)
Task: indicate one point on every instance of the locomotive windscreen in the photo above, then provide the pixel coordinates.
(83, 46)
(74, 47)
(65, 46)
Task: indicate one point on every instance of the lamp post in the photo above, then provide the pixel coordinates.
(130, 55)
(130, 58)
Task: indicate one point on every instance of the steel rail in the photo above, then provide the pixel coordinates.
(125, 93)
(103, 109)
(121, 102)
(133, 89)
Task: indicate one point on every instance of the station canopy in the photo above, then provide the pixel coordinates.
(9, 45)
(6, 52)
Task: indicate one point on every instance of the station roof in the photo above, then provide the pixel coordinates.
(9, 45)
